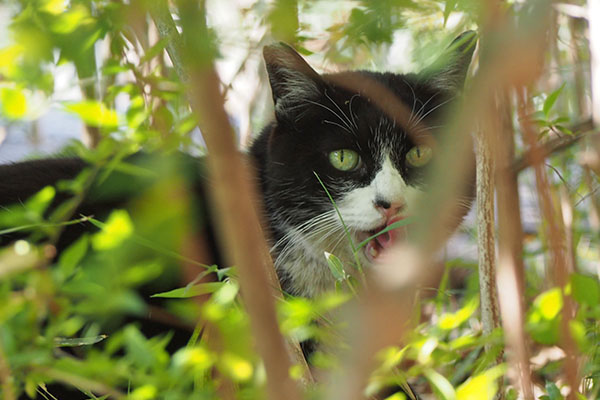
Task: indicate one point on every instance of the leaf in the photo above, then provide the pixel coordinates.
(551, 99)
(117, 228)
(395, 225)
(482, 386)
(72, 255)
(76, 342)
(553, 392)
(14, 104)
(441, 384)
(195, 290)
(585, 289)
(335, 266)
(95, 113)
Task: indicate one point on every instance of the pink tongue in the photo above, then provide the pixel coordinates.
(387, 239)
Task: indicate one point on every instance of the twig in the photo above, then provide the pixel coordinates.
(490, 312)
(556, 144)
(6, 378)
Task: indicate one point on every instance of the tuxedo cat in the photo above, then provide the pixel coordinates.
(345, 157)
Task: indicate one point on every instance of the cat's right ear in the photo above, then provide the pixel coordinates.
(292, 80)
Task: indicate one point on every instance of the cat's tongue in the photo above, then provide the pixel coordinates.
(385, 240)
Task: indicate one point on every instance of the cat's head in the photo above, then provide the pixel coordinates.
(366, 137)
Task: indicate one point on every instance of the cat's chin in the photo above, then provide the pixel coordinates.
(376, 248)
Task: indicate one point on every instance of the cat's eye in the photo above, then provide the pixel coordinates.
(419, 155)
(344, 159)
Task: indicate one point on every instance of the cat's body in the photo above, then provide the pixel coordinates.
(331, 137)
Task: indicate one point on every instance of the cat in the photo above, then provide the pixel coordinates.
(327, 135)
(334, 159)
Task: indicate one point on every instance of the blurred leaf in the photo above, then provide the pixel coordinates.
(14, 104)
(95, 113)
(450, 321)
(117, 228)
(237, 368)
(585, 289)
(482, 386)
(551, 100)
(76, 342)
(70, 257)
(553, 392)
(440, 384)
(192, 291)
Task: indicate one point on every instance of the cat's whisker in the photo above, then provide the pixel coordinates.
(338, 125)
(331, 111)
(423, 107)
(414, 102)
(433, 109)
(350, 109)
(338, 107)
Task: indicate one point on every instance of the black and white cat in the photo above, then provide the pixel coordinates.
(333, 131)
(373, 164)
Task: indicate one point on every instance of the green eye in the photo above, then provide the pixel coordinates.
(419, 156)
(344, 159)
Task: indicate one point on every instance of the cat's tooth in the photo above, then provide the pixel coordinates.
(373, 251)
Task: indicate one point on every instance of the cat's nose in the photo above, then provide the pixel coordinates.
(387, 208)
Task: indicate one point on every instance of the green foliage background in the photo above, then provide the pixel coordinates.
(55, 313)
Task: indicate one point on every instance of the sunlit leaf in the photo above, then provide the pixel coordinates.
(95, 113)
(482, 386)
(440, 384)
(237, 368)
(14, 104)
(117, 228)
(453, 320)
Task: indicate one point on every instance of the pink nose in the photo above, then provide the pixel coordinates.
(388, 209)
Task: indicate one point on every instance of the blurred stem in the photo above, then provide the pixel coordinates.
(556, 241)
(233, 194)
(6, 377)
(510, 243)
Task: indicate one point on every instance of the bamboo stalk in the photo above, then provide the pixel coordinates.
(242, 240)
(556, 242)
(510, 247)
(593, 14)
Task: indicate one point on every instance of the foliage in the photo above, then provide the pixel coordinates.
(75, 318)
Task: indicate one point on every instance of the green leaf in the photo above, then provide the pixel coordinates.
(395, 225)
(335, 266)
(95, 113)
(551, 99)
(195, 290)
(553, 392)
(117, 228)
(440, 384)
(585, 289)
(14, 104)
(72, 255)
(77, 342)
(482, 386)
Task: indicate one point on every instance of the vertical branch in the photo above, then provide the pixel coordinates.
(556, 241)
(6, 379)
(594, 38)
(239, 226)
(490, 313)
(510, 246)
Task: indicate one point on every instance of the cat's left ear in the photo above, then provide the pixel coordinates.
(292, 80)
(450, 69)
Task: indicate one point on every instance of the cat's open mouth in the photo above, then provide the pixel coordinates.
(374, 248)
